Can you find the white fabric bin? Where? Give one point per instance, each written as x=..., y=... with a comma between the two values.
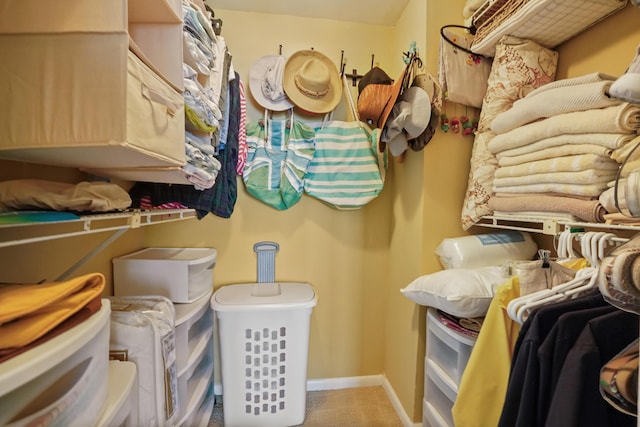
x=264, y=338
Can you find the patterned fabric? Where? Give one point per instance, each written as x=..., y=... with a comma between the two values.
x=242, y=132
x=277, y=160
x=519, y=67
x=345, y=171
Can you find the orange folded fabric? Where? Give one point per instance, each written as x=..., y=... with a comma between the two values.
x=29, y=311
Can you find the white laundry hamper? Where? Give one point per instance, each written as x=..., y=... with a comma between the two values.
x=264, y=339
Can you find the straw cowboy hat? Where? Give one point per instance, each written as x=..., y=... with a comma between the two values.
x=265, y=83
x=311, y=81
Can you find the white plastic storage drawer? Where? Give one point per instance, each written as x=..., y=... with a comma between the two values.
x=62, y=382
x=194, y=328
x=449, y=349
x=181, y=274
x=441, y=398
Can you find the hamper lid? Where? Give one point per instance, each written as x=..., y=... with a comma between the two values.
x=263, y=296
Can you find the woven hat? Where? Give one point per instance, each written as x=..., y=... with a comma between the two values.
x=376, y=101
x=311, y=81
x=429, y=84
x=408, y=119
x=265, y=83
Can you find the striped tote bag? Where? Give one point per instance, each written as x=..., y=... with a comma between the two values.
x=347, y=169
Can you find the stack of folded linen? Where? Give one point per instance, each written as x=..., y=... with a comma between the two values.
x=560, y=147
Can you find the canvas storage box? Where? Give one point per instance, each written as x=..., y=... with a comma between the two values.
x=264, y=338
x=63, y=381
x=180, y=274
x=74, y=93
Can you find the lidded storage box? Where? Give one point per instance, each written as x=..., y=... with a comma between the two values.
x=78, y=94
x=264, y=337
x=180, y=274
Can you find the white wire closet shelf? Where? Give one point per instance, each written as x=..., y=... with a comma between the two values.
x=32, y=232
x=549, y=226
x=546, y=22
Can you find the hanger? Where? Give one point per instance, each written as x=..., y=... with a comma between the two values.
x=592, y=246
x=472, y=31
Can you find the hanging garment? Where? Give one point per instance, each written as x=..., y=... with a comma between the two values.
x=278, y=156
x=576, y=401
x=520, y=405
x=484, y=381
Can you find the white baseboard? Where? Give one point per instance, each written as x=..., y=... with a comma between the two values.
x=344, y=382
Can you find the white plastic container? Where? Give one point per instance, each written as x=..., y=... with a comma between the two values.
x=264, y=338
x=181, y=274
x=63, y=381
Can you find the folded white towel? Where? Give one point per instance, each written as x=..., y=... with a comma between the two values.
x=575, y=163
x=608, y=141
x=589, y=176
x=590, y=190
x=553, y=152
x=563, y=99
x=623, y=118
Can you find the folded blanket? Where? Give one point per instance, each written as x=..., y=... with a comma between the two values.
x=29, y=311
x=623, y=118
x=621, y=153
x=548, y=103
x=553, y=152
x=580, y=162
x=60, y=196
x=591, y=190
x=611, y=141
x=574, y=81
x=589, y=176
x=608, y=201
x=585, y=210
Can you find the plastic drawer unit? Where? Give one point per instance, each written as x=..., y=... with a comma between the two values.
x=447, y=354
x=181, y=274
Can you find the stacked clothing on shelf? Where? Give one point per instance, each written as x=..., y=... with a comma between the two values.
x=559, y=149
x=215, y=113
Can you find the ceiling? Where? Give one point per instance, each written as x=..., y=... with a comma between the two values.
x=381, y=12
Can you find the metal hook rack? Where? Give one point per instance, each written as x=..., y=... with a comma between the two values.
x=354, y=76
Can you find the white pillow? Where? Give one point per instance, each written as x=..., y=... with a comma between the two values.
x=461, y=292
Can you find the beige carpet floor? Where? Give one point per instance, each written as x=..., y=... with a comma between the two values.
x=351, y=407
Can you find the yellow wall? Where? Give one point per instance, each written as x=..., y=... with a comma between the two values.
x=341, y=253
x=356, y=260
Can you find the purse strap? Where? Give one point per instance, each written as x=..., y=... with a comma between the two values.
x=351, y=105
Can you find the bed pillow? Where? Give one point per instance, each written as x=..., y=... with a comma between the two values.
x=519, y=67
x=462, y=292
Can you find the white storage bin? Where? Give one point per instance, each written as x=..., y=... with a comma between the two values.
x=264, y=337
x=201, y=417
x=194, y=383
x=441, y=398
x=194, y=328
x=79, y=97
x=122, y=398
x=63, y=381
x=180, y=274
x=431, y=417
x=448, y=349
